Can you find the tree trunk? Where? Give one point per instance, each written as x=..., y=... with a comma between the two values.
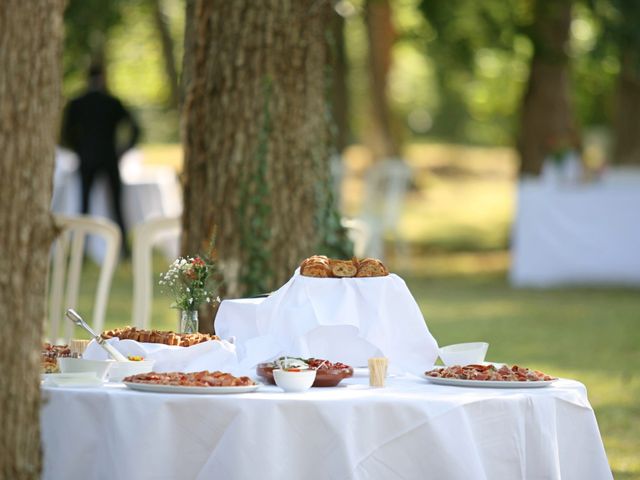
x=160, y=20
x=339, y=91
x=546, y=116
x=381, y=36
x=255, y=136
x=30, y=102
x=626, y=126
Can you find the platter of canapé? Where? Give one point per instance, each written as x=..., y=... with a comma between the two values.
x=292, y=373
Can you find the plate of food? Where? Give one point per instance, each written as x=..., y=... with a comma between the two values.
x=489, y=376
x=49, y=357
x=204, y=382
x=328, y=374
x=159, y=336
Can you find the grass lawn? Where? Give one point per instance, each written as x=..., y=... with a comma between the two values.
x=456, y=221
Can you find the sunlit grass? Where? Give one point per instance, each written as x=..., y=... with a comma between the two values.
x=170, y=155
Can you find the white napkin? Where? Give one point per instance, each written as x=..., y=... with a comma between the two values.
x=211, y=355
x=344, y=319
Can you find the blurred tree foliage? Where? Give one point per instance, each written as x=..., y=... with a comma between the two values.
x=620, y=20
x=88, y=24
x=124, y=33
x=458, y=72
x=482, y=52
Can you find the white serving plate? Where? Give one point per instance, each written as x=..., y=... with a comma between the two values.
x=456, y=382
x=495, y=364
x=150, y=387
x=75, y=379
x=364, y=371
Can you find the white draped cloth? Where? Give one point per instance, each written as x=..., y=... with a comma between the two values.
x=340, y=319
x=211, y=355
x=411, y=429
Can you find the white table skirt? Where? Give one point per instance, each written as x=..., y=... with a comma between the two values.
x=577, y=234
x=411, y=429
x=341, y=319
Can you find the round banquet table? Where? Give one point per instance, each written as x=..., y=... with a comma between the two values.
x=411, y=429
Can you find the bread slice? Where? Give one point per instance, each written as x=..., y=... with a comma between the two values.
x=343, y=268
x=316, y=266
x=371, y=267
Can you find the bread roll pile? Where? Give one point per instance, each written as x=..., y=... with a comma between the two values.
x=157, y=336
x=324, y=267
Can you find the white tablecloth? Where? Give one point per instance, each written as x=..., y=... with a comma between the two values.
x=411, y=429
x=577, y=234
x=340, y=319
x=147, y=192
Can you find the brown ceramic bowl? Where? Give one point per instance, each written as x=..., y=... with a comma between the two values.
x=324, y=377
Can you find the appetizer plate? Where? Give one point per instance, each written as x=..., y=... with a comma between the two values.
x=456, y=382
x=151, y=387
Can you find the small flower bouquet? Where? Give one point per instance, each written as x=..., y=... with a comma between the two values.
x=190, y=282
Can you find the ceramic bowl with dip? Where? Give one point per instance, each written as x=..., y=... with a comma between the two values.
x=294, y=379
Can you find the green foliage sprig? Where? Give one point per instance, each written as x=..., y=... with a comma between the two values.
x=190, y=282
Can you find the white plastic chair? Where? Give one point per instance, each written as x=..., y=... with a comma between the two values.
x=66, y=269
x=358, y=233
x=145, y=236
x=386, y=186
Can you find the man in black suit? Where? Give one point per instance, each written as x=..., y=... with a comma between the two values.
x=90, y=128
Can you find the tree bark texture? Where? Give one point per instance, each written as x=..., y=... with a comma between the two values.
x=546, y=116
x=255, y=135
x=381, y=36
x=30, y=102
x=626, y=125
x=339, y=91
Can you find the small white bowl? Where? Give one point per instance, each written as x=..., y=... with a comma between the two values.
x=464, y=353
x=291, y=381
x=120, y=370
x=78, y=365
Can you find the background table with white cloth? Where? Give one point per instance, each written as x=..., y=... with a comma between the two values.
x=577, y=234
x=410, y=429
x=148, y=191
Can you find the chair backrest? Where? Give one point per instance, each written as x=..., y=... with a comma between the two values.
x=358, y=232
x=145, y=235
x=386, y=186
x=66, y=269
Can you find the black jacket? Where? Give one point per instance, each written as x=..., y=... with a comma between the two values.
x=90, y=128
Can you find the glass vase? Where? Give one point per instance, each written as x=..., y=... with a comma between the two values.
x=188, y=321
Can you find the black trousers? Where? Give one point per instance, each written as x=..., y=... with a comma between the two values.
x=88, y=176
